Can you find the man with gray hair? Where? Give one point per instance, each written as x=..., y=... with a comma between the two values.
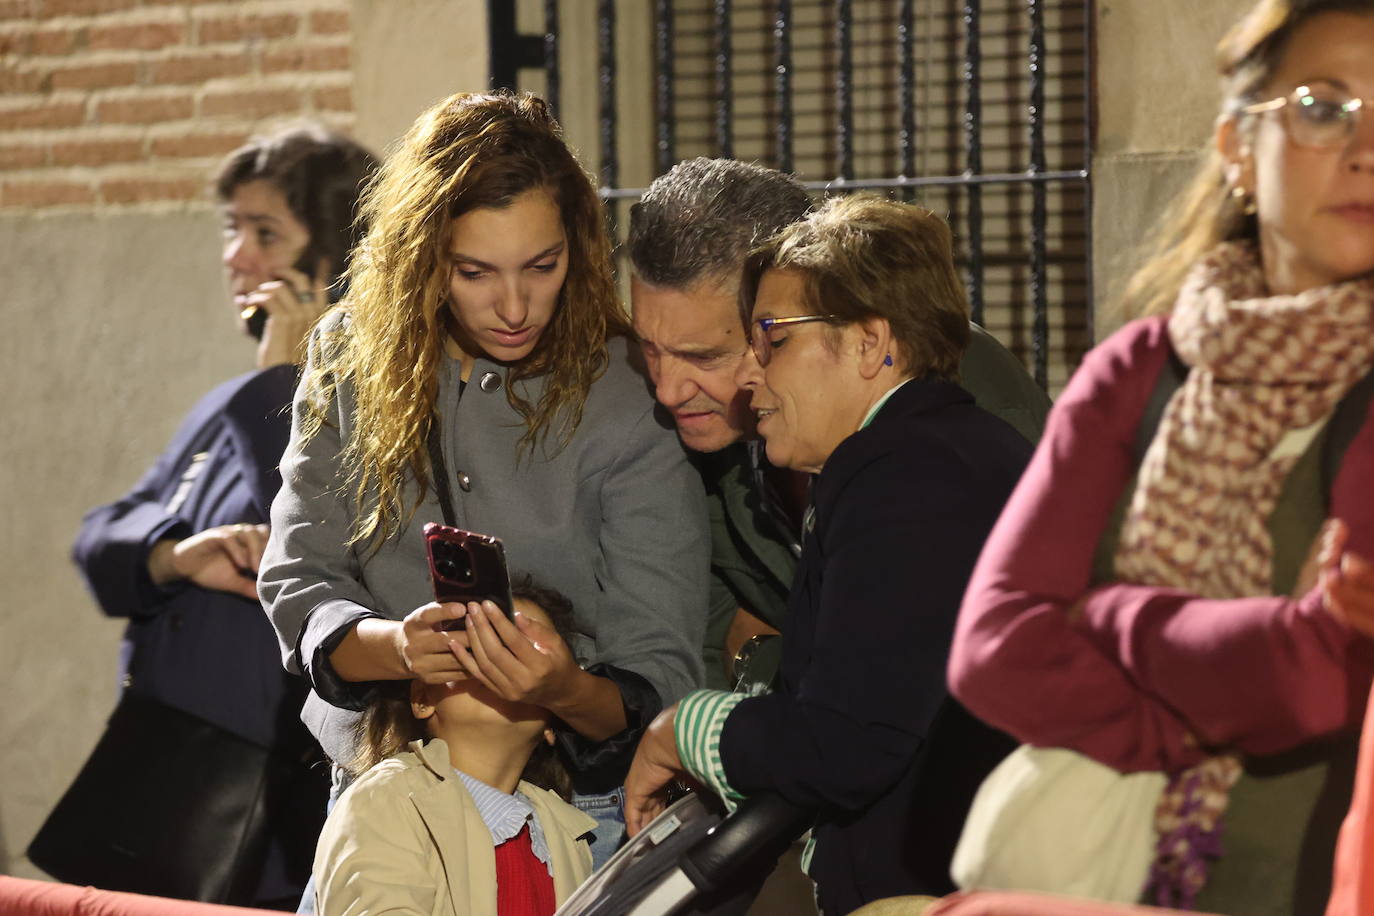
x=689, y=235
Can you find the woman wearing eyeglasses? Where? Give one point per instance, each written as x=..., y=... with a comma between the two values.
x=1180, y=581
x=858, y=324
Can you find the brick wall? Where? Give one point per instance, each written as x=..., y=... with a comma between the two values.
x=129, y=103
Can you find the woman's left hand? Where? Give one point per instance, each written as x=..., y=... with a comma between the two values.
x=656, y=764
x=522, y=662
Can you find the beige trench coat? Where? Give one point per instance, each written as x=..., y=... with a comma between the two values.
x=406, y=838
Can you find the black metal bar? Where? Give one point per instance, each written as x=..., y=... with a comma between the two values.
x=844, y=88
x=1040, y=328
x=663, y=85
x=508, y=50
x=725, y=142
x=782, y=49
x=1089, y=132
x=502, y=41
x=973, y=149
x=941, y=181
x=605, y=43
x=552, y=82
x=906, y=83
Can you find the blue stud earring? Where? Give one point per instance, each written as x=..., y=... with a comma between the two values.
x=887, y=361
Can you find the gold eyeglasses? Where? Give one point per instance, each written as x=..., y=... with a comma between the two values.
x=762, y=346
x=1317, y=116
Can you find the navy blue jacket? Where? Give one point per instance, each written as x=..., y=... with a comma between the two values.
x=863, y=728
x=208, y=652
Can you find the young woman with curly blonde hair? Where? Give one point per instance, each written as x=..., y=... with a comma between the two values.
x=481, y=356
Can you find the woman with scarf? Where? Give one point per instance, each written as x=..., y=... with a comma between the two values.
x=1180, y=581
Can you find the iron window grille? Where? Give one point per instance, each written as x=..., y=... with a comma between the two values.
x=981, y=110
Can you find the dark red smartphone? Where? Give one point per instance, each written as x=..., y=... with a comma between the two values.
x=466, y=566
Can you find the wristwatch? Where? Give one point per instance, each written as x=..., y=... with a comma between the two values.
x=739, y=665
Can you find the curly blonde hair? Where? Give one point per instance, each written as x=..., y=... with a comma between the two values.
x=1205, y=214
x=470, y=151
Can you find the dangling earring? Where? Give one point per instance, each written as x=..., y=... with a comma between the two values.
x=1244, y=201
x=887, y=360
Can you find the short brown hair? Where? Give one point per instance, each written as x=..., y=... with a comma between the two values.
x=865, y=257
x=320, y=173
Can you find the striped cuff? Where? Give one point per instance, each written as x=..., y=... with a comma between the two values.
x=700, y=717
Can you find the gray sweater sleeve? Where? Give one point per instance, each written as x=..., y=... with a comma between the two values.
x=309, y=581
x=656, y=548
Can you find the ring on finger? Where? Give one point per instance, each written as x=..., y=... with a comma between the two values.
x=305, y=296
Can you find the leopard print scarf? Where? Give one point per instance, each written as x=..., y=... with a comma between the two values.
x=1260, y=366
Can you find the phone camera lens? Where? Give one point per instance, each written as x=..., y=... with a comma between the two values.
x=452, y=563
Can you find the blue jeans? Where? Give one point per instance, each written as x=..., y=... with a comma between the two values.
x=609, y=812
x=338, y=781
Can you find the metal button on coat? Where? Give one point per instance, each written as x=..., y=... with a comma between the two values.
x=464, y=482
x=490, y=382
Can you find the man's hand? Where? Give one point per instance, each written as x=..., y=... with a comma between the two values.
x=656, y=764
x=224, y=559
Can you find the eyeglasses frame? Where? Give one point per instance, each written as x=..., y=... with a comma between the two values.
x=1352, y=106
x=767, y=324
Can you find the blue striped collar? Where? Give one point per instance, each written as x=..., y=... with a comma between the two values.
x=504, y=814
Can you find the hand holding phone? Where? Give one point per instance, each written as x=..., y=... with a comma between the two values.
x=465, y=566
x=280, y=313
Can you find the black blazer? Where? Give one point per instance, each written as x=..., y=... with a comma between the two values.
x=863, y=728
x=209, y=653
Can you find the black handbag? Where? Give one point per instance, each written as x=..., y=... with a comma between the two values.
x=174, y=806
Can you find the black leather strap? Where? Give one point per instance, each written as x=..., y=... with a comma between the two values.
x=439, y=473
x=1171, y=377
x=1341, y=431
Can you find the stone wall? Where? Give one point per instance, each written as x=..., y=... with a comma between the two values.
x=1157, y=102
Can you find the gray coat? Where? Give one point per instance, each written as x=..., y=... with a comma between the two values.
x=616, y=521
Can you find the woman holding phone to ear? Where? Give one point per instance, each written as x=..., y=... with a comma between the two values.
x=178, y=553
x=482, y=351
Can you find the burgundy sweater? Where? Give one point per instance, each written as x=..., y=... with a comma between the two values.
x=1144, y=667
